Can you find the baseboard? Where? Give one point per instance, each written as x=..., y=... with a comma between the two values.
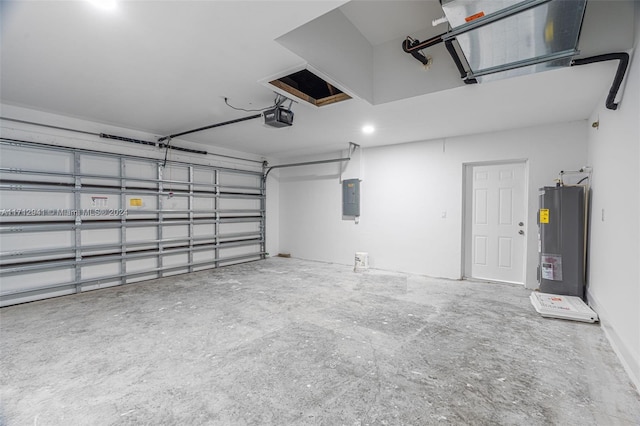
x=629, y=360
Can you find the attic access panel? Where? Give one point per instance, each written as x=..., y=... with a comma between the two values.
x=311, y=88
x=506, y=38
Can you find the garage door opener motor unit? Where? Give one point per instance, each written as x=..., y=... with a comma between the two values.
x=278, y=117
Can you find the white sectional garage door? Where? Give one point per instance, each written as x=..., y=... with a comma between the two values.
x=76, y=220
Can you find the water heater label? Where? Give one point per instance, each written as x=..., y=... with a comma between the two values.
x=544, y=215
x=551, y=267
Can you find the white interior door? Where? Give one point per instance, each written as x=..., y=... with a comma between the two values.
x=495, y=217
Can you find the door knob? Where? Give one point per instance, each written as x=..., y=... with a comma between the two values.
x=521, y=232
x=520, y=224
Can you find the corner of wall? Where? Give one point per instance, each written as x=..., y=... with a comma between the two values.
x=625, y=354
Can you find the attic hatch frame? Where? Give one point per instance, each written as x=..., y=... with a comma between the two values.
x=312, y=87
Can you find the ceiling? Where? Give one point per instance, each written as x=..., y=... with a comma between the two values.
x=372, y=18
x=166, y=66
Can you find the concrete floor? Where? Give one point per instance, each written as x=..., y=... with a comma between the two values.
x=285, y=341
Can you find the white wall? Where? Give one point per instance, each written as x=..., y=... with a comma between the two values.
x=614, y=262
x=405, y=190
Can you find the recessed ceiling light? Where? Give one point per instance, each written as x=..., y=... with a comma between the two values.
x=368, y=129
x=105, y=4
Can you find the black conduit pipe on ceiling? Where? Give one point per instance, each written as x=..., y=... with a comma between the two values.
x=414, y=47
x=623, y=57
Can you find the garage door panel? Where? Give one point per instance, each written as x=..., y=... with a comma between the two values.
x=137, y=237
x=141, y=206
x=176, y=178
x=239, y=251
x=174, y=232
x=175, y=206
x=176, y=272
x=33, y=280
x=33, y=295
x=54, y=167
x=44, y=160
x=101, y=206
x=108, y=219
x=242, y=259
x=142, y=265
x=175, y=260
x=22, y=177
x=205, y=204
x=204, y=230
x=37, y=206
x=231, y=203
x=207, y=215
x=100, y=241
x=24, y=241
x=139, y=278
x=100, y=236
x=204, y=256
x=241, y=227
x=239, y=179
x=101, y=284
x=204, y=177
x=100, y=271
x=100, y=165
x=141, y=174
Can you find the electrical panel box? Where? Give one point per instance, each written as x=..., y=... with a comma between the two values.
x=561, y=244
x=351, y=197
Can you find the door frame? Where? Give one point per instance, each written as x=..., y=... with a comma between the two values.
x=467, y=205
